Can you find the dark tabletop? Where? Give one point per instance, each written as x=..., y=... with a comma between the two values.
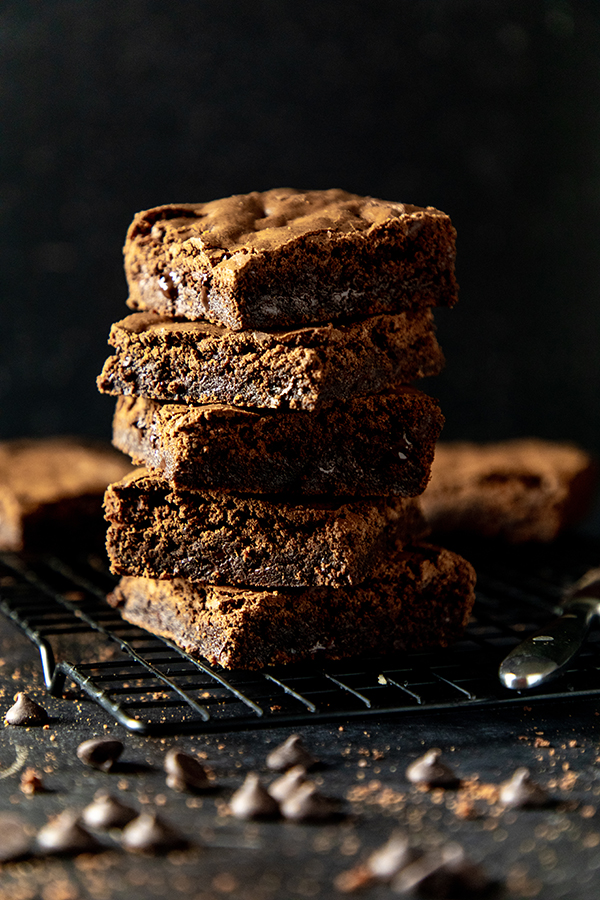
x=548, y=853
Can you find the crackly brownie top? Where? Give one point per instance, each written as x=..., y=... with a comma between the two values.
x=261, y=221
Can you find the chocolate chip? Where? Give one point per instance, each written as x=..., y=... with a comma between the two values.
x=521, y=791
x=252, y=801
x=184, y=772
x=148, y=833
x=291, y=753
x=26, y=712
x=289, y=782
x=100, y=753
x=443, y=874
x=306, y=804
x=430, y=770
x=107, y=812
x=14, y=840
x=388, y=860
x=469, y=880
x=417, y=876
x=65, y=834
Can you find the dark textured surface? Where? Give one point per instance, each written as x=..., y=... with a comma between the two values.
x=488, y=111
x=549, y=853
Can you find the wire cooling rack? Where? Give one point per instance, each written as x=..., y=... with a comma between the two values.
x=151, y=686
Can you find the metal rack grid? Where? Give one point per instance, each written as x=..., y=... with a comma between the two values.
x=151, y=686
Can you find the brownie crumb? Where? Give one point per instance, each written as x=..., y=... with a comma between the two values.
x=354, y=879
x=31, y=782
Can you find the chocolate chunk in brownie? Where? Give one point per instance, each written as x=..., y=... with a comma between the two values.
x=518, y=490
x=371, y=446
x=161, y=531
x=419, y=598
x=51, y=491
x=193, y=362
x=284, y=258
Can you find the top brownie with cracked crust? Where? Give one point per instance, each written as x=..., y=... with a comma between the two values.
x=283, y=258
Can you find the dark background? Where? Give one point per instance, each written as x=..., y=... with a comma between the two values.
x=487, y=110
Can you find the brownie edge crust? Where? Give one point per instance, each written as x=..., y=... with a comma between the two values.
x=421, y=598
x=285, y=257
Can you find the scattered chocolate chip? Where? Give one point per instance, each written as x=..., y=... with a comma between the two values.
x=252, y=801
x=291, y=753
x=443, y=874
x=14, y=840
x=469, y=880
x=100, y=753
x=521, y=791
x=26, y=712
x=430, y=770
x=418, y=875
x=107, y=812
x=289, y=782
x=306, y=804
x=31, y=782
x=148, y=833
x=65, y=834
x=388, y=860
x=184, y=772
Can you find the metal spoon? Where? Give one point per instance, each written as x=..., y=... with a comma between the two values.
x=545, y=654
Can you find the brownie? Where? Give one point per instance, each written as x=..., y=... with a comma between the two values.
x=284, y=258
x=518, y=490
x=161, y=531
x=418, y=599
x=370, y=446
x=193, y=362
x=51, y=491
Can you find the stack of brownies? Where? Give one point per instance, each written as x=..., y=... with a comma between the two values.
x=263, y=386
